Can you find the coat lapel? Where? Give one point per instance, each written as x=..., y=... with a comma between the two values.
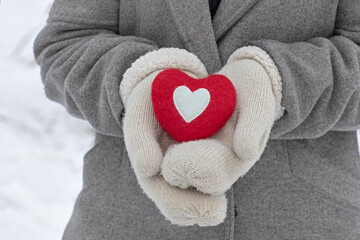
x=199, y=33
x=228, y=13
x=193, y=22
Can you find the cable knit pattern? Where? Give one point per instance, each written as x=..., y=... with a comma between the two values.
x=157, y=60
x=259, y=55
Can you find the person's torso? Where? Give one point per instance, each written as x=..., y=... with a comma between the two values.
x=188, y=24
x=323, y=172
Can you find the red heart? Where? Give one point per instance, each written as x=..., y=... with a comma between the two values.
x=175, y=110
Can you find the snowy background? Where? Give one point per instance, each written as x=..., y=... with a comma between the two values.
x=41, y=146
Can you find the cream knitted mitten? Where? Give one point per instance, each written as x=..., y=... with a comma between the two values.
x=146, y=142
x=213, y=165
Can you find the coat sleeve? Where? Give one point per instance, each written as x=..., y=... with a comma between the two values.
x=320, y=79
x=83, y=56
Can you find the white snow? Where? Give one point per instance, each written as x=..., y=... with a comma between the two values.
x=41, y=146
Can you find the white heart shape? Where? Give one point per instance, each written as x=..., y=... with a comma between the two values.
x=189, y=104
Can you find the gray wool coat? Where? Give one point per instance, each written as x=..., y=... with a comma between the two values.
x=307, y=183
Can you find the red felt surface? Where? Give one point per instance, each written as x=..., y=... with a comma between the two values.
x=221, y=107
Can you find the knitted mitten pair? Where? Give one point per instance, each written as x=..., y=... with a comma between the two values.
x=187, y=181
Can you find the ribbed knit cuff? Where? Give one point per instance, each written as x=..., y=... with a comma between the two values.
x=163, y=58
x=262, y=57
